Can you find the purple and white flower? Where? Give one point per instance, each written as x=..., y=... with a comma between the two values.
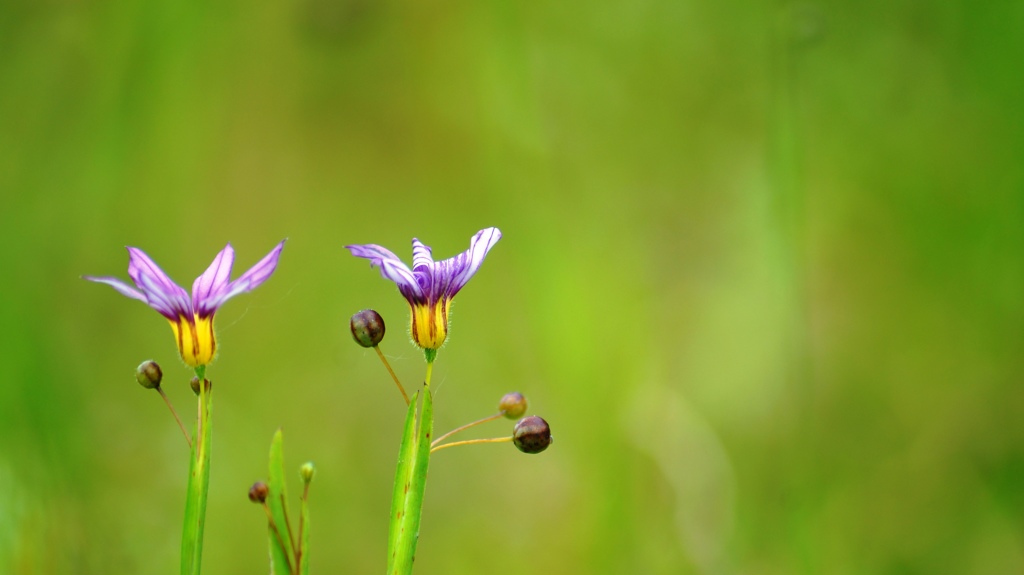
x=191, y=318
x=430, y=286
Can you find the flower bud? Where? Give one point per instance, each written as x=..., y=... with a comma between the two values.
x=195, y=385
x=258, y=492
x=307, y=471
x=148, y=374
x=513, y=404
x=367, y=328
x=532, y=435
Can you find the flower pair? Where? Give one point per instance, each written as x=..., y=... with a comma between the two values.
x=429, y=288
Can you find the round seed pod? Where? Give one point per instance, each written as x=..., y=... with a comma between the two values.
x=532, y=435
x=513, y=404
x=367, y=328
x=148, y=374
x=258, y=492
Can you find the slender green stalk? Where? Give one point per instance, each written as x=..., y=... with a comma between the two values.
x=198, y=485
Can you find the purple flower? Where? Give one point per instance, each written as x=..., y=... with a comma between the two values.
x=191, y=319
x=430, y=286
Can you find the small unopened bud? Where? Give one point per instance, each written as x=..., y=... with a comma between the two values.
x=513, y=404
x=307, y=471
x=258, y=492
x=195, y=385
x=532, y=435
x=148, y=374
x=367, y=328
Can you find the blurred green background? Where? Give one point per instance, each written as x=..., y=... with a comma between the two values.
x=761, y=270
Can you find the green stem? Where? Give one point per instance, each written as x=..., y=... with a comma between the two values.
x=198, y=486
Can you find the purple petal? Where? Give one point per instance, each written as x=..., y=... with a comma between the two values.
x=421, y=256
x=119, y=285
x=248, y=281
x=214, y=280
x=463, y=266
x=390, y=266
x=162, y=294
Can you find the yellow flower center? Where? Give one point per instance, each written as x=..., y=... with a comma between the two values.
x=430, y=324
x=195, y=338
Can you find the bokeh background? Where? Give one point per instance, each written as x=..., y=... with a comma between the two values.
x=761, y=270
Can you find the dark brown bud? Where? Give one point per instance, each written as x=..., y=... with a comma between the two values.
x=513, y=404
x=258, y=492
x=367, y=328
x=532, y=435
x=148, y=374
x=195, y=385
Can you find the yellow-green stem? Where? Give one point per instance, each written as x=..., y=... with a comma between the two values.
x=188, y=439
x=498, y=415
x=392, y=372
x=472, y=442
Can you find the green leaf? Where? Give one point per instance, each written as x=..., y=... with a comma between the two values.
x=198, y=487
x=280, y=538
x=403, y=474
x=407, y=504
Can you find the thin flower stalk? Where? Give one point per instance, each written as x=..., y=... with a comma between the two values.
x=471, y=442
x=437, y=441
